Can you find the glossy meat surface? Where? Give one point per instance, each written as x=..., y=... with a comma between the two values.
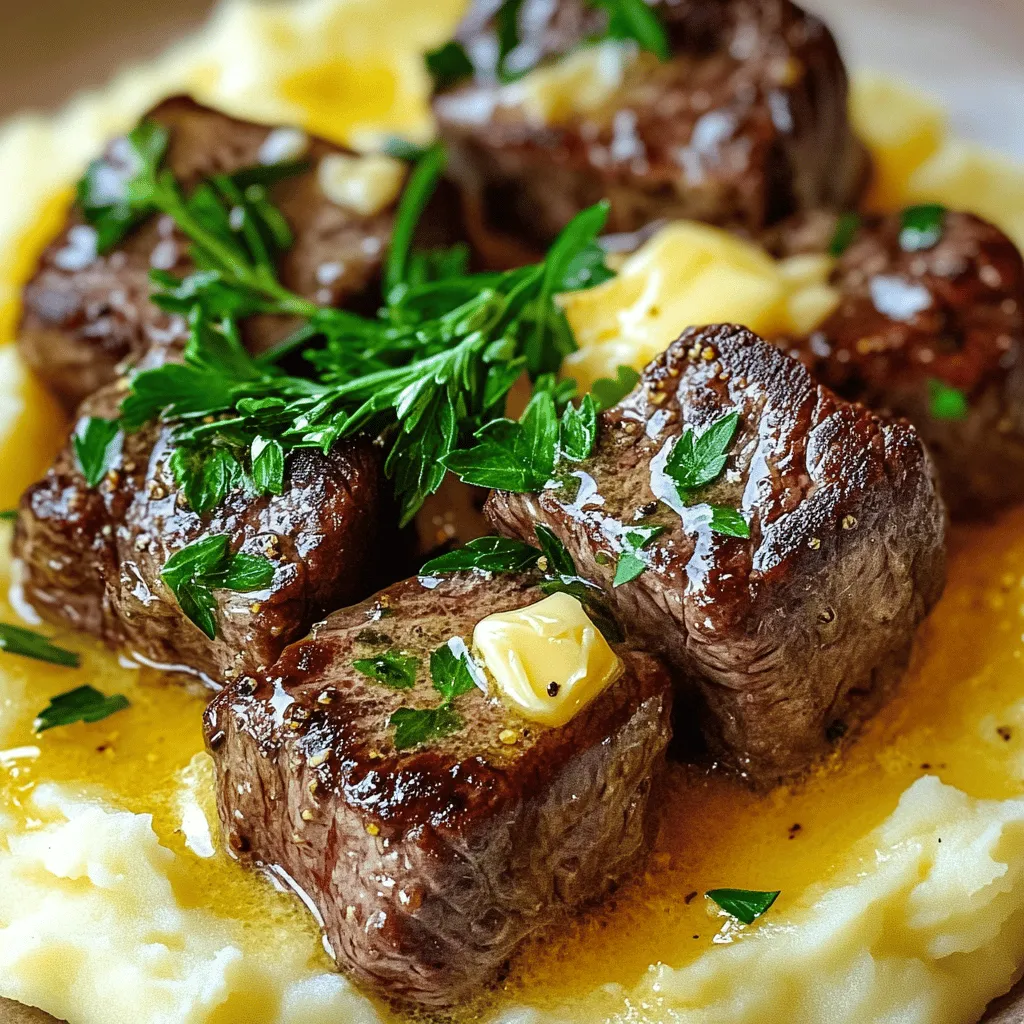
x=429, y=865
x=90, y=558
x=914, y=323
x=789, y=638
x=87, y=316
x=744, y=125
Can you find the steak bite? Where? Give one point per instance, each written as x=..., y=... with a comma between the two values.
x=931, y=327
x=788, y=637
x=743, y=125
x=86, y=315
x=429, y=864
x=91, y=558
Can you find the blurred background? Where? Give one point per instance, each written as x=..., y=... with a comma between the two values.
x=970, y=52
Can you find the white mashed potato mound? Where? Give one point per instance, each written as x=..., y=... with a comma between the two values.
x=92, y=931
x=925, y=927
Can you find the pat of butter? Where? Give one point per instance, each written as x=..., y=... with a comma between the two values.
x=548, y=660
x=364, y=184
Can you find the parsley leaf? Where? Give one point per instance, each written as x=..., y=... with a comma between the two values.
x=453, y=673
x=608, y=392
x=448, y=64
x=578, y=430
x=630, y=564
x=506, y=21
x=745, y=905
x=485, y=554
x=16, y=640
x=846, y=230
x=634, y=19
x=83, y=704
x=207, y=564
x=113, y=193
x=946, y=402
x=393, y=669
x=695, y=462
x=921, y=227
x=522, y=456
x=97, y=444
x=559, y=561
x=8, y=515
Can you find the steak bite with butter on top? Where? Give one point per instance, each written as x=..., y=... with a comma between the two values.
x=437, y=806
x=743, y=122
x=92, y=558
x=87, y=311
x=930, y=326
x=778, y=545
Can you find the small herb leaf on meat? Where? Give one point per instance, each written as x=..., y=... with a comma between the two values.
x=267, y=465
x=921, y=227
x=946, y=402
x=608, y=392
x=194, y=572
x=393, y=668
x=448, y=65
x=453, y=670
x=113, y=193
x=630, y=565
x=415, y=726
x=485, y=554
x=577, y=433
x=559, y=561
x=8, y=515
x=29, y=644
x=453, y=673
x=695, y=462
x=729, y=522
x=846, y=230
x=84, y=704
x=745, y=905
x=634, y=19
x=97, y=444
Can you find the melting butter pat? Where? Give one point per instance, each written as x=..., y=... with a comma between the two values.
x=548, y=660
x=365, y=184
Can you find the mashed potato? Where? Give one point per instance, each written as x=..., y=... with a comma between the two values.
x=116, y=903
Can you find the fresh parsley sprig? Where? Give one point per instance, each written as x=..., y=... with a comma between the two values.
x=630, y=564
x=205, y=565
x=430, y=372
x=17, y=640
x=84, y=704
x=452, y=673
x=696, y=461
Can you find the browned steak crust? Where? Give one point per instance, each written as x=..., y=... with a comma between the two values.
x=86, y=317
x=745, y=124
x=791, y=636
x=430, y=865
x=90, y=558
x=913, y=321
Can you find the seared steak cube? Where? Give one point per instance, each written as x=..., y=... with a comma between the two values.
x=931, y=327
x=87, y=314
x=743, y=125
x=792, y=635
x=429, y=864
x=91, y=558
